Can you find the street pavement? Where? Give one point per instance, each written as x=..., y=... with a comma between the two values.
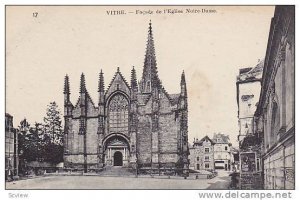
x=222, y=181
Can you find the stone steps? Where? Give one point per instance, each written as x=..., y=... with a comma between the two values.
x=116, y=171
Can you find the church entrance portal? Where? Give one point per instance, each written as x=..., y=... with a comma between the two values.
x=116, y=151
x=118, y=159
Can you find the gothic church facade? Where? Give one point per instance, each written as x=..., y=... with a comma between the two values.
x=137, y=125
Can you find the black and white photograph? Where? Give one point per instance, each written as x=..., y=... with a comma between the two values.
x=157, y=97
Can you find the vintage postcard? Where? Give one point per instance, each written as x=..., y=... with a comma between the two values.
x=150, y=97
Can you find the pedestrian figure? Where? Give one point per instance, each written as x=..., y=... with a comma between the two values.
x=11, y=174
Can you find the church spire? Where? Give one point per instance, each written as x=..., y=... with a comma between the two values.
x=82, y=84
x=150, y=78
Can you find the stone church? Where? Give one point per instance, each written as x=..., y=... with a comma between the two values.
x=137, y=125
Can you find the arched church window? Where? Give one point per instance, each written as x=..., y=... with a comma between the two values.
x=118, y=114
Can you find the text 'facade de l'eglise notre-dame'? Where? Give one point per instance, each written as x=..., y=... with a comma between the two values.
x=137, y=125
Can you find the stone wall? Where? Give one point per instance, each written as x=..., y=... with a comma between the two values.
x=168, y=134
x=279, y=168
x=92, y=142
x=144, y=139
x=74, y=142
x=277, y=102
x=164, y=142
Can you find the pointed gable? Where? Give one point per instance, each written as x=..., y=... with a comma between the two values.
x=84, y=99
x=118, y=83
x=92, y=110
x=206, y=138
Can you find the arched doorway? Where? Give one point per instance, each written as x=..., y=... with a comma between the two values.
x=118, y=159
x=116, y=150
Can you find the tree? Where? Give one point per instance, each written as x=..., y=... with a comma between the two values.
x=30, y=141
x=43, y=141
x=53, y=135
x=53, y=124
x=30, y=147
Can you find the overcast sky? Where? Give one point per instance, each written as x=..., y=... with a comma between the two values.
x=209, y=47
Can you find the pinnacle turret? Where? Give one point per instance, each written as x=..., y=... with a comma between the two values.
x=67, y=102
x=182, y=78
x=183, y=85
x=101, y=82
x=67, y=85
x=82, y=84
x=133, y=78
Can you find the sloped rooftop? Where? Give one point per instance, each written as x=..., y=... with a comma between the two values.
x=251, y=73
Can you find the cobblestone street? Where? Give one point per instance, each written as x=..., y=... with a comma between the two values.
x=96, y=182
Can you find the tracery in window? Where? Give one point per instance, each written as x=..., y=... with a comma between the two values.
x=118, y=114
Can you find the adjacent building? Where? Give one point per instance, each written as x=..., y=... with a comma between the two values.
x=275, y=114
x=222, y=152
x=248, y=91
x=11, y=148
x=248, y=87
x=137, y=125
x=202, y=154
